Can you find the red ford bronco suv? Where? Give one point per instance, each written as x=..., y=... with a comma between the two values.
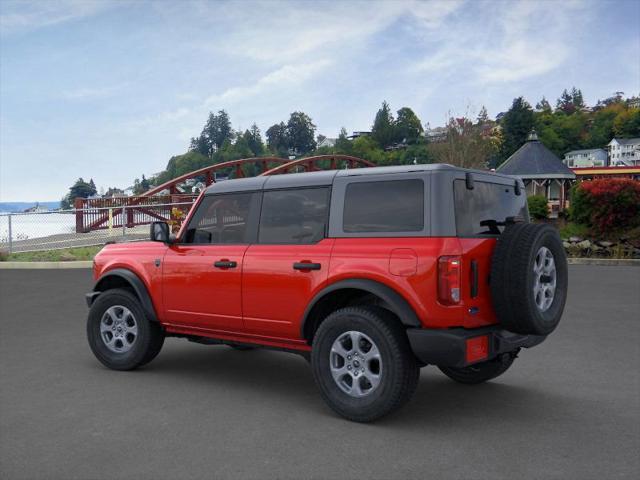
x=370, y=273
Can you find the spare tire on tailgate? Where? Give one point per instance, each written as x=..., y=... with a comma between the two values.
x=529, y=278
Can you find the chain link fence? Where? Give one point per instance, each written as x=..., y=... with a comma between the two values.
x=59, y=229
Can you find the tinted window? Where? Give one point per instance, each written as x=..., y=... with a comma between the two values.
x=222, y=219
x=389, y=206
x=486, y=202
x=294, y=216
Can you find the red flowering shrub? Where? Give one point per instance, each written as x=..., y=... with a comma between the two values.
x=607, y=204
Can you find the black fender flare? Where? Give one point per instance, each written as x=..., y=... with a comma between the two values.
x=397, y=303
x=136, y=284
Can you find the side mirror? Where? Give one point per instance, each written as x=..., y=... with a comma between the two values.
x=159, y=232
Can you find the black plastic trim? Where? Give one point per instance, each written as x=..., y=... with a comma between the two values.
x=396, y=302
x=134, y=281
x=447, y=347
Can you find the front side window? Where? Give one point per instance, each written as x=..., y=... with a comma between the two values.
x=384, y=206
x=222, y=219
x=294, y=216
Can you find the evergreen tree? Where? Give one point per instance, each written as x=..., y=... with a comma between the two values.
x=407, y=126
x=343, y=144
x=517, y=123
x=565, y=103
x=483, y=116
x=576, y=99
x=543, y=106
x=254, y=140
x=382, y=130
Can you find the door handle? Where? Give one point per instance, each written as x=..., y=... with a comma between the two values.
x=306, y=266
x=225, y=264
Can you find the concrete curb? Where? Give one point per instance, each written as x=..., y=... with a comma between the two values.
x=612, y=262
x=45, y=265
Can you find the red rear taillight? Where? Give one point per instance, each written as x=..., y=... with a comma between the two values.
x=449, y=280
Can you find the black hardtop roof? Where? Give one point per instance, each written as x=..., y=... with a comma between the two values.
x=326, y=177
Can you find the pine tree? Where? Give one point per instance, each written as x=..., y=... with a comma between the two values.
x=543, y=106
x=382, y=130
x=483, y=116
x=517, y=123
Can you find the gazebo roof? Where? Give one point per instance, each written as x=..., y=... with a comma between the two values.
x=534, y=160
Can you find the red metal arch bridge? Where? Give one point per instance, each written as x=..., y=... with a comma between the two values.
x=165, y=201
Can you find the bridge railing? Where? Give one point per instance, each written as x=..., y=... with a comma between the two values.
x=102, y=213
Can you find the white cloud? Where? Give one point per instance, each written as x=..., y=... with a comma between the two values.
x=25, y=15
x=285, y=77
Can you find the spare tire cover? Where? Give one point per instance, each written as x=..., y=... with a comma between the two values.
x=529, y=278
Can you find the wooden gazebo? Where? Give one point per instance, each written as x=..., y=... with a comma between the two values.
x=542, y=172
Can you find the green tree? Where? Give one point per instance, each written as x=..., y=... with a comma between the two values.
x=408, y=126
x=383, y=130
x=253, y=138
x=517, y=123
x=627, y=124
x=216, y=131
x=544, y=106
x=577, y=99
x=80, y=189
x=483, y=116
x=277, y=139
x=343, y=144
x=565, y=103
x=301, y=133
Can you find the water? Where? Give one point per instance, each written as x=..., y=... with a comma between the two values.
x=36, y=225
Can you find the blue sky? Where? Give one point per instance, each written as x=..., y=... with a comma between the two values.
x=111, y=90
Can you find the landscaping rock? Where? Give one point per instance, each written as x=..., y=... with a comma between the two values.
x=575, y=239
x=566, y=244
x=585, y=244
x=605, y=244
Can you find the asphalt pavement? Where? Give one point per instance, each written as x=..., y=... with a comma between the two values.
x=567, y=409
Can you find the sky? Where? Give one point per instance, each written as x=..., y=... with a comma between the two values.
x=110, y=90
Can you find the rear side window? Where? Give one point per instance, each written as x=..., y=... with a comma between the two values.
x=223, y=219
x=384, y=206
x=487, y=202
x=295, y=216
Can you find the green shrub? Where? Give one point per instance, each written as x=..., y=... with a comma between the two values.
x=538, y=207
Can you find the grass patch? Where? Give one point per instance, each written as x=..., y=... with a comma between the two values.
x=64, y=255
x=574, y=230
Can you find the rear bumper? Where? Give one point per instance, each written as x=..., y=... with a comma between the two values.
x=452, y=347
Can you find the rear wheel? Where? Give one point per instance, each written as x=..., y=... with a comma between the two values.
x=119, y=333
x=480, y=372
x=363, y=364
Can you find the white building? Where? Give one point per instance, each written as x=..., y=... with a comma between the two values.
x=624, y=152
x=594, y=157
x=327, y=142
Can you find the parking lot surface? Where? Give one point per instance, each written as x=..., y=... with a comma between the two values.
x=568, y=409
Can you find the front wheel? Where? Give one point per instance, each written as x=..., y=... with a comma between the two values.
x=479, y=372
x=119, y=333
x=363, y=364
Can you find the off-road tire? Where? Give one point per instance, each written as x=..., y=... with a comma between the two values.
x=513, y=279
x=399, y=375
x=148, y=342
x=480, y=372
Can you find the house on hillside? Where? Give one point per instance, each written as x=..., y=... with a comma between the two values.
x=358, y=134
x=327, y=142
x=593, y=157
x=624, y=152
x=542, y=172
